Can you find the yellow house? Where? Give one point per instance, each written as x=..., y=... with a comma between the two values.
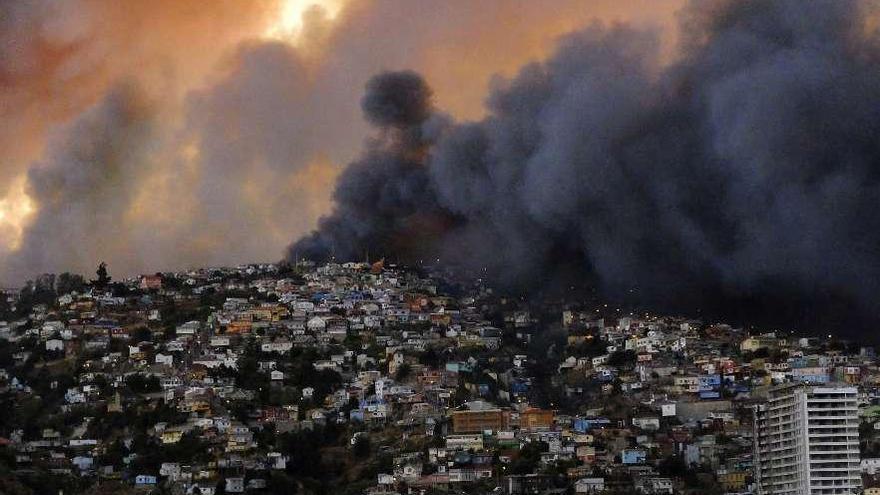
x=732, y=480
x=443, y=319
x=197, y=405
x=872, y=491
x=171, y=436
x=575, y=339
x=536, y=419
x=262, y=314
x=752, y=344
x=239, y=327
x=237, y=445
x=115, y=404
x=204, y=474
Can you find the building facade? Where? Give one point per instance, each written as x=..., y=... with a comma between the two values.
x=807, y=441
x=478, y=421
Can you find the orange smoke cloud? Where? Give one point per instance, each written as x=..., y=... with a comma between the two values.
x=255, y=106
x=58, y=58
x=498, y=41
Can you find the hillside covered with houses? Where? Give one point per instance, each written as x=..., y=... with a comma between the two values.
x=374, y=379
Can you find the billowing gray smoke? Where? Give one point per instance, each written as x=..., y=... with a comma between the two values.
x=385, y=200
x=83, y=184
x=745, y=175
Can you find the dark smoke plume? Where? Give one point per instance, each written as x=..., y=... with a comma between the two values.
x=397, y=99
x=741, y=180
x=385, y=200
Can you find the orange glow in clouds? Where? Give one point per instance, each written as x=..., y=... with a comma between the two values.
x=16, y=210
x=176, y=50
x=289, y=24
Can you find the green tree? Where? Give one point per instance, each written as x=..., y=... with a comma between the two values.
x=38, y=291
x=281, y=484
x=528, y=457
x=141, y=334
x=140, y=384
x=361, y=449
x=403, y=372
x=69, y=282
x=103, y=279
x=622, y=359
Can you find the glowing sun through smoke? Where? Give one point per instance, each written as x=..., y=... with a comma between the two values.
x=16, y=210
x=289, y=23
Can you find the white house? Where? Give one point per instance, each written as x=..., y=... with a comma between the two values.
x=277, y=460
x=170, y=469
x=316, y=324
x=589, y=485
x=188, y=328
x=75, y=396
x=54, y=345
x=83, y=463
x=871, y=466
x=234, y=485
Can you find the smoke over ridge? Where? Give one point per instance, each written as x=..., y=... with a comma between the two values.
x=743, y=175
x=245, y=112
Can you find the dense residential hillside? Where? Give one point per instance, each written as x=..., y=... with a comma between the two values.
x=366, y=379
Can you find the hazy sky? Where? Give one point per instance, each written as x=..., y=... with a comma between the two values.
x=164, y=134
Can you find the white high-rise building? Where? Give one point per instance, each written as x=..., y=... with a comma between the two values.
x=807, y=441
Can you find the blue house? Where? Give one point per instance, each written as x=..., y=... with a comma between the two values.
x=633, y=456
x=798, y=362
x=709, y=382
x=605, y=376
x=811, y=377
x=458, y=366
x=583, y=425
x=519, y=386
x=709, y=394
x=144, y=480
x=356, y=295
